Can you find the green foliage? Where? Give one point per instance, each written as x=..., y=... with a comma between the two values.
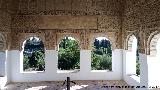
x=26, y=62
x=137, y=63
x=101, y=62
x=138, y=68
x=33, y=55
x=106, y=62
x=101, y=55
x=34, y=62
x=68, y=55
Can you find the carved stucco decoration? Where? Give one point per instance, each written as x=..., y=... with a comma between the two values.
x=18, y=36
x=50, y=39
x=129, y=36
x=152, y=42
x=84, y=38
x=5, y=26
x=69, y=7
x=137, y=14
x=129, y=41
x=3, y=41
x=143, y=17
x=109, y=22
x=5, y=21
x=54, y=22
x=83, y=26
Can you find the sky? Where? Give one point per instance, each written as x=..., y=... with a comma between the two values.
x=99, y=38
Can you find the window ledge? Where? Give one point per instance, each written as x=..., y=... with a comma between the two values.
x=101, y=71
x=25, y=72
x=68, y=71
x=135, y=77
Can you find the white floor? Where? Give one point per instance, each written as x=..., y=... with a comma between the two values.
x=80, y=85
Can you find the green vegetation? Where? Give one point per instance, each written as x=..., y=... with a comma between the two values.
x=68, y=55
x=33, y=55
x=137, y=64
x=101, y=55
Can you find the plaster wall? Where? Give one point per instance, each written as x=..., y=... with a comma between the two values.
x=153, y=64
x=2, y=64
x=52, y=74
x=129, y=72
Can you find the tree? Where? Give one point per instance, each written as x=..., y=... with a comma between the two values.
x=137, y=63
x=68, y=55
x=101, y=55
x=34, y=55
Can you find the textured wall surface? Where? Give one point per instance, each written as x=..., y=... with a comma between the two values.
x=141, y=17
x=52, y=19
x=5, y=23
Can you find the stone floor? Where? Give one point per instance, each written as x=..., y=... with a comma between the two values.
x=80, y=85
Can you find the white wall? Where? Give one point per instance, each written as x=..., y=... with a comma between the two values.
x=6, y=69
x=153, y=67
x=2, y=63
x=128, y=76
x=51, y=74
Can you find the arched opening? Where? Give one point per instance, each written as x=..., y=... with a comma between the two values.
x=2, y=56
x=33, y=55
x=154, y=60
x=68, y=54
x=101, y=56
x=134, y=64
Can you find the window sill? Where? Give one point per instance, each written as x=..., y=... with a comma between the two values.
x=135, y=77
x=101, y=71
x=68, y=71
x=26, y=72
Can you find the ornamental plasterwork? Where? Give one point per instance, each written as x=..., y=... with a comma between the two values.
x=103, y=17
x=3, y=41
x=69, y=7
x=51, y=38
x=152, y=40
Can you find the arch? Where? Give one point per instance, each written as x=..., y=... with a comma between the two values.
x=152, y=43
x=130, y=42
x=133, y=64
x=102, y=35
x=101, y=56
x=68, y=54
x=33, y=52
x=27, y=36
x=62, y=36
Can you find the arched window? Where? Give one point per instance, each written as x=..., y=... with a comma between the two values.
x=101, y=54
x=134, y=64
x=33, y=54
x=158, y=49
x=154, y=60
x=68, y=54
x=154, y=45
x=2, y=56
